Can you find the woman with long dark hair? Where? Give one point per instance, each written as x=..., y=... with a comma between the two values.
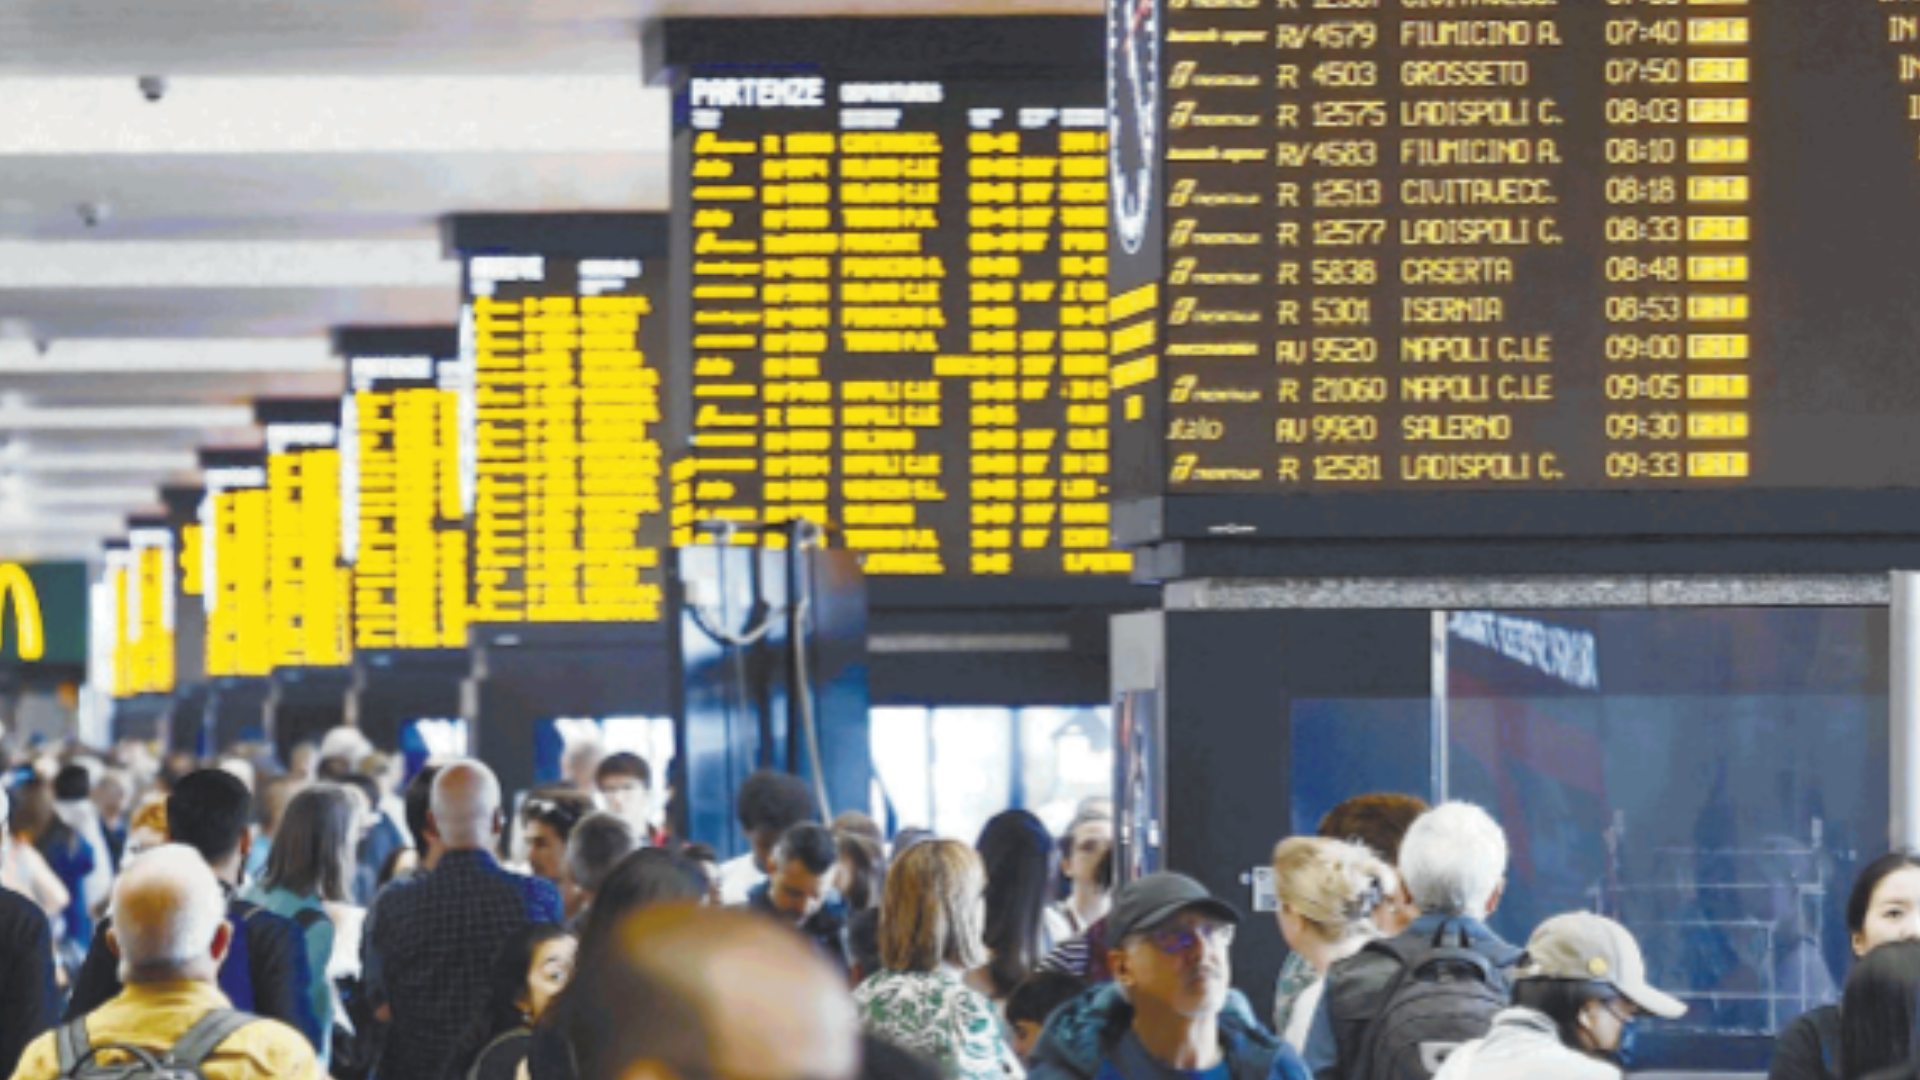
x=1019, y=855
x=644, y=878
x=309, y=878
x=1883, y=907
x=530, y=970
x=1877, y=1010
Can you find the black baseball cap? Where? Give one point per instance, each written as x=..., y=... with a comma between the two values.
x=1152, y=900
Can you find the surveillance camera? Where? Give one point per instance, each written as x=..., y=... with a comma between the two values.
x=153, y=87
x=92, y=214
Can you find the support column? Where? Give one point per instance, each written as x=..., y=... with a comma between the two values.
x=1903, y=705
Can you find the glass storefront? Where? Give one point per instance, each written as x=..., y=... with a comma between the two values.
x=951, y=768
x=1712, y=778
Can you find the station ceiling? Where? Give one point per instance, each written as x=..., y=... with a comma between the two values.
x=164, y=263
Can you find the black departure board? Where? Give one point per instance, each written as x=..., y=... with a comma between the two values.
x=564, y=338
x=1646, y=246
x=897, y=272
x=405, y=534
x=234, y=573
x=309, y=595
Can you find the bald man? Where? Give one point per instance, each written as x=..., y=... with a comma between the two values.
x=436, y=939
x=704, y=993
x=170, y=932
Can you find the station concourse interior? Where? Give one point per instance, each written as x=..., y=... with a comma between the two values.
x=1218, y=409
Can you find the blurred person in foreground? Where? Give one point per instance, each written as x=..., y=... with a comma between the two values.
x=705, y=993
x=171, y=933
x=1170, y=1009
x=646, y=878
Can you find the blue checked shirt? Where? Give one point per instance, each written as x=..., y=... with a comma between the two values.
x=436, y=940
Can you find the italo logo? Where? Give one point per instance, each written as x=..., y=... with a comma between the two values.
x=15, y=583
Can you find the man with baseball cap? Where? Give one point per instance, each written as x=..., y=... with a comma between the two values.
x=1575, y=999
x=1169, y=1014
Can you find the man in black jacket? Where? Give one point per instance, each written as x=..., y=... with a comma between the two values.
x=266, y=972
x=1453, y=862
x=28, y=1000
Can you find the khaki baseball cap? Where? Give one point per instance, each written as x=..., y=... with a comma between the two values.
x=1593, y=948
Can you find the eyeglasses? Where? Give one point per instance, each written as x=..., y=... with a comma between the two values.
x=1174, y=940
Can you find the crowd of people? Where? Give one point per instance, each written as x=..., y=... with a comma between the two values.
x=340, y=918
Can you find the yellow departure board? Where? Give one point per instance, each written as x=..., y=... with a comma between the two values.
x=898, y=317
x=115, y=578
x=235, y=575
x=1545, y=246
x=308, y=591
x=565, y=471
x=144, y=588
x=404, y=533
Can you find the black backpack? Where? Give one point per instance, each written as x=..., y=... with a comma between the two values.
x=182, y=1062
x=1442, y=996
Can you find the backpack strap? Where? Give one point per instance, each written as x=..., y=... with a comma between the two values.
x=205, y=1036
x=307, y=918
x=70, y=1042
x=473, y=1071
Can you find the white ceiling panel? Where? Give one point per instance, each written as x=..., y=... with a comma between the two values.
x=164, y=264
x=360, y=37
x=308, y=196
x=57, y=314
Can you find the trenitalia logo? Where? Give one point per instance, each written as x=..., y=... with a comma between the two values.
x=15, y=583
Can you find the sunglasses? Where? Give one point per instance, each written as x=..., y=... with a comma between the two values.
x=1175, y=940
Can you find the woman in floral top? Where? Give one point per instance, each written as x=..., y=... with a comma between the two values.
x=931, y=914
